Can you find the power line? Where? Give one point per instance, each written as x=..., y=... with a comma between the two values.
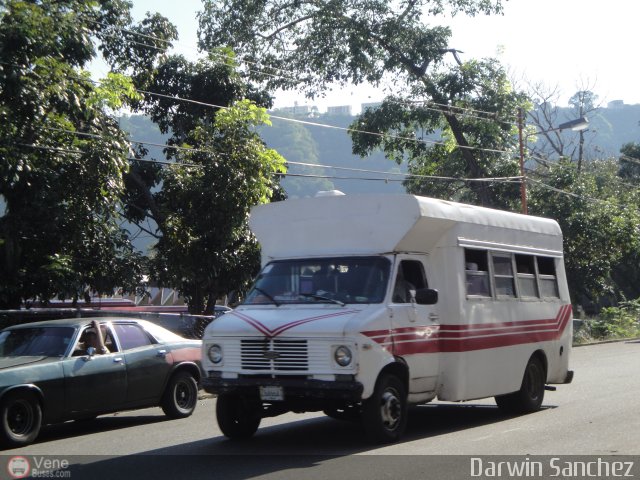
x=323, y=125
x=576, y=195
x=462, y=110
x=314, y=165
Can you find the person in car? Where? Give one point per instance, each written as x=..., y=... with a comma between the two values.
x=92, y=337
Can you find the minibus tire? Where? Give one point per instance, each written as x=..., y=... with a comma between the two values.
x=384, y=414
x=529, y=398
x=238, y=417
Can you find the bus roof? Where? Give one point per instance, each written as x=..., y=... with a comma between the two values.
x=377, y=223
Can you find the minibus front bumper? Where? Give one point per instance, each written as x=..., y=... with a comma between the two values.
x=344, y=389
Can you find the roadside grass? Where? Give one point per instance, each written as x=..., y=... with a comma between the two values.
x=613, y=323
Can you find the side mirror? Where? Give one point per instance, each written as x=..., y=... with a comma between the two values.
x=91, y=351
x=426, y=296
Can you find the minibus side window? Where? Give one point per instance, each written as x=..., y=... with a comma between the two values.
x=526, y=271
x=547, y=277
x=410, y=277
x=503, y=275
x=477, y=272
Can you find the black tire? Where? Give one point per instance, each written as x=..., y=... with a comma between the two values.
x=181, y=395
x=350, y=413
x=531, y=394
x=238, y=417
x=21, y=419
x=384, y=414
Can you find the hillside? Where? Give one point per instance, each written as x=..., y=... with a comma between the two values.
x=610, y=128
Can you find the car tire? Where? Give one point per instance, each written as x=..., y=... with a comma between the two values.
x=531, y=394
x=384, y=414
x=20, y=419
x=238, y=417
x=181, y=395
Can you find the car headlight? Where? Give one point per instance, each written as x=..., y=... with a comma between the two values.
x=215, y=353
x=343, y=355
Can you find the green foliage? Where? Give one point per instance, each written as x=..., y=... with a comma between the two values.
x=335, y=41
x=630, y=162
x=599, y=220
x=206, y=249
x=377, y=41
x=62, y=156
x=616, y=322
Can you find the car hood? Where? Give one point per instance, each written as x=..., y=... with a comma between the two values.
x=11, y=362
x=273, y=322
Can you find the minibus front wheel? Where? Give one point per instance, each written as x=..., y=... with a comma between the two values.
x=238, y=416
x=529, y=398
x=384, y=414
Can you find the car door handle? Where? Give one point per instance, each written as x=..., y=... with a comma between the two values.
x=117, y=360
x=161, y=353
x=433, y=317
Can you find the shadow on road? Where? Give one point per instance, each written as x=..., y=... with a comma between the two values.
x=311, y=448
x=100, y=424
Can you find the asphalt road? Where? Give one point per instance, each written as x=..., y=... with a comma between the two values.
x=598, y=414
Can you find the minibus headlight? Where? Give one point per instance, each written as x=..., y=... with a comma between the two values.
x=343, y=355
x=215, y=353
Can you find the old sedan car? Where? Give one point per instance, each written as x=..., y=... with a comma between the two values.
x=51, y=372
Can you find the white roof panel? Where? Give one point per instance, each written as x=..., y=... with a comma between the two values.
x=373, y=224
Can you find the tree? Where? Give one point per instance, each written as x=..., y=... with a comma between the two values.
x=320, y=43
x=218, y=169
x=598, y=215
x=62, y=155
x=547, y=116
x=583, y=102
x=630, y=162
x=206, y=249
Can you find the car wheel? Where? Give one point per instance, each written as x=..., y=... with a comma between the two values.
x=384, y=414
x=529, y=398
x=21, y=417
x=238, y=417
x=181, y=395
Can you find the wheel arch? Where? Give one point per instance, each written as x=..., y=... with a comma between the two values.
x=190, y=367
x=542, y=357
x=25, y=387
x=398, y=368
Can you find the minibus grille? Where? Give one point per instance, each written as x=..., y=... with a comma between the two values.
x=275, y=355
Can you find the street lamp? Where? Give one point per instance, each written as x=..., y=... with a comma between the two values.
x=576, y=125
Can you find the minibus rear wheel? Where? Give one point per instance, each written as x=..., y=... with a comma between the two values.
x=238, y=416
x=384, y=414
x=529, y=398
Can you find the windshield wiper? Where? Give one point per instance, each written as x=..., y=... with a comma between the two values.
x=322, y=297
x=268, y=295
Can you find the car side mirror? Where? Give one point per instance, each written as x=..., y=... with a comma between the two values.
x=426, y=296
x=91, y=351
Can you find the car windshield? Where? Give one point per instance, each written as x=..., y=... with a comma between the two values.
x=36, y=341
x=321, y=280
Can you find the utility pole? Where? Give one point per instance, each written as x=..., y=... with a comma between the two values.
x=523, y=179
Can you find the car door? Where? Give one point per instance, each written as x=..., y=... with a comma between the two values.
x=415, y=326
x=148, y=363
x=95, y=383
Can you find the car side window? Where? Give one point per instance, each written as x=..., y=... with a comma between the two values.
x=132, y=336
x=82, y=343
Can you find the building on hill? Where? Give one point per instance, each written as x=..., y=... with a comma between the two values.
x=343, y=110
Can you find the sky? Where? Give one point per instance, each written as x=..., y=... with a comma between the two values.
x=566, y=45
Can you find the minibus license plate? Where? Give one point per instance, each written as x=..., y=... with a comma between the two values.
x=271, y=393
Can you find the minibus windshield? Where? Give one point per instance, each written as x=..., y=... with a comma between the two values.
x=341, y=280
